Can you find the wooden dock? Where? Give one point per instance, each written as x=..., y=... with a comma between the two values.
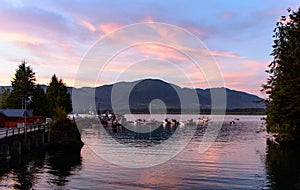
x=11, y=132
x=18, y=141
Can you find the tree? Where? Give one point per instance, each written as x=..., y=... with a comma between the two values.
x=39, y=102
x=58, y=96
x=23, y=86
x=283, y=83
x=5, y=93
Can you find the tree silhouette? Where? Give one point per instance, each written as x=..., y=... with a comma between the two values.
x=58, y=96
x=23, y=86
x=39, y=102
x=5, y=93
x=283, y=84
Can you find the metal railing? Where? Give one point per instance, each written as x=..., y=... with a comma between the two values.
x=5, y=133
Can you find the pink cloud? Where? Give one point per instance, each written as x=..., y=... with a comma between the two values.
x=87, y=25
x=228, y=15
x=241, y=81
x=21, y=37
x=145, y=52
x=235, y=77
x=161, y=52
x=108, y=27
x=198, y=31
x=226, y=54
x=147, y=19
x=256, y=64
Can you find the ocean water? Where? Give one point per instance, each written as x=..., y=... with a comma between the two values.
x=238, y=158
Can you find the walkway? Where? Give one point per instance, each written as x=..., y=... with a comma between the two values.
x=5, y=133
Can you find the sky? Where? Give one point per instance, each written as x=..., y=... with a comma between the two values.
x=57, y=37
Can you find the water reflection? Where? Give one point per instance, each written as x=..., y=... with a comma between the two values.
x=283, y=167
x=238, y=159
x=135, y=138
x=62, y=164
x=23, y=172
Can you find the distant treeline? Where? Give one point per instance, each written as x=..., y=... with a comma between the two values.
x=240, y=111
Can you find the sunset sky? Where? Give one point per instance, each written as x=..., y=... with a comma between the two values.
x=55, y=36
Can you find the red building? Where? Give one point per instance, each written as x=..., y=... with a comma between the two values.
x=12, y=118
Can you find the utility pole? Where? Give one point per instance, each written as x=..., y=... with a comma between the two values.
x=25, y=110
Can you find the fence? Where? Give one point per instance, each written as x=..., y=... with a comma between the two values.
x=5, y=133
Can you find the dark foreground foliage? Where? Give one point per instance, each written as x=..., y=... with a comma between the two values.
x=283, y=84
x=63, y=133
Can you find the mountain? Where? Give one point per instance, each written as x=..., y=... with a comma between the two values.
x=139, y=95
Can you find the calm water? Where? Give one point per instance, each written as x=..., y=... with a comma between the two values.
x=239, y=159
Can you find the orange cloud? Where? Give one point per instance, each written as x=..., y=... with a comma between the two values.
x=145, y=52
x=20, y=37
x=147, y=19
x=161, y=52
x=87, y=25
x=108, y=27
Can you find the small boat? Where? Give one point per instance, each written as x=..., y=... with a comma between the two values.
x=232, y=122
x=151, y=122
x=144, y=122
x=190, y=122
x=171, y=122
x=109, y=119
x=202, y=120
x=165, y=122
x=174, y=123
x=138, y=122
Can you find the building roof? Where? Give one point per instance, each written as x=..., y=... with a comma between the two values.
x=16, y=112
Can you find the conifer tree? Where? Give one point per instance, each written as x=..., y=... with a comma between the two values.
x=283, y=84
x=39, y=102
x=23, y=86
x=58, y=96
x=5, y=93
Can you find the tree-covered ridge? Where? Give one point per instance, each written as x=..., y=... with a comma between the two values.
x=283, y=83
x=26, y=94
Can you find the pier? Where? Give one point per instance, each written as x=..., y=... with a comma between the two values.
x=16, y=141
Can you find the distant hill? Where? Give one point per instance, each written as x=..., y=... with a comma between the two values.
x=137, y=96
x=142, y=92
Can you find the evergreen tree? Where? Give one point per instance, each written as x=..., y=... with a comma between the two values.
x=39, y=102
x=23, y=86
x=283, y=84
x=5, y=93
x=58, y=96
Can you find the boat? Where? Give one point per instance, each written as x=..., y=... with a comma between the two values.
x=165, y=122
x=107, y=118
x=202, y=120
x=171, y=122
x=144, y=122
x=190, y=122
x=110, y=120
x=174, y=123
